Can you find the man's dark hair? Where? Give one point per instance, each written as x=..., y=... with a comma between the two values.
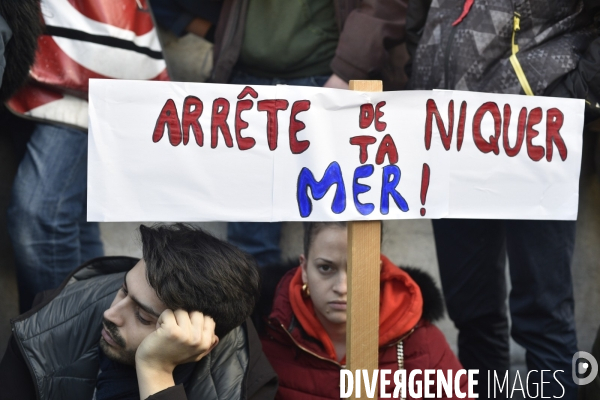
x=192, y=270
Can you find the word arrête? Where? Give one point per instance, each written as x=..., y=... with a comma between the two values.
x=179, y=129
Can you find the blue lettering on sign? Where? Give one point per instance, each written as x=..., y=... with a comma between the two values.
x=332, y=176
x=388, y=188
x=364, y=171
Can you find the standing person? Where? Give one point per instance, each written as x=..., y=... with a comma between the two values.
x=305, y=340
x=269, y=42
x=47, y=211
x=533, y=47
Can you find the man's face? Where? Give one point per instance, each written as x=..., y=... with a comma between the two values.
x=131, y=317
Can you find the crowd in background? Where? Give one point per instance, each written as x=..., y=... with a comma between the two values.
x=452, y=44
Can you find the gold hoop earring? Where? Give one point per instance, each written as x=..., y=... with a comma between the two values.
x=305, y=291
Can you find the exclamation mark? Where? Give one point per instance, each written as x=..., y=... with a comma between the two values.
x=424, y=187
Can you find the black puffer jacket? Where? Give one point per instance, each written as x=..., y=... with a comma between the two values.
x=558, y=47
x=57, y=355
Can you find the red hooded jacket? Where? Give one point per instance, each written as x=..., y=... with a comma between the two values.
x=303, y=356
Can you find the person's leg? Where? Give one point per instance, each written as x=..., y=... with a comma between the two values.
x=46, y=209
x=90, y=242
x=261, y=239
x=472, y=261
x=541, y=299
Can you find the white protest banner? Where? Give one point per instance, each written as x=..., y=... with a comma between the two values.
x=167, y=151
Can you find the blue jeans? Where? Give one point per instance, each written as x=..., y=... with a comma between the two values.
x=47, y=212
x=472, y=259
x=261, y=239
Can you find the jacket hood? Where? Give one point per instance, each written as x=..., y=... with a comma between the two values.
x=402, y=306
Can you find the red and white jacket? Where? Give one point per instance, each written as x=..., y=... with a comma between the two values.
x=86, y=39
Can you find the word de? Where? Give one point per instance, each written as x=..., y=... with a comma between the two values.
x=192, y=108
x=526, y=130
x=368, y=114
x=429, y=383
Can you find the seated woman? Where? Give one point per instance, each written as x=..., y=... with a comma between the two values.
x=305, y=339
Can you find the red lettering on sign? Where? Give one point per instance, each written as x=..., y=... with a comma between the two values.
x=367, y=113
x=379, y=125
x=168, y=116
x=432, y=111
x=244, y=143
x=220, y=111
x=363, y=142
x=387, y=147
x=554, y=121
x=521, y=124
x=190, y=120
x=247, y=91
x=272, y=107
x=536, y=153
x=460, y=131
x=483, y=145
x=298, y=146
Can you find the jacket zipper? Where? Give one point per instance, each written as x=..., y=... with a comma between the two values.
x=395, y=343
x=335, y=362
x=308, y=351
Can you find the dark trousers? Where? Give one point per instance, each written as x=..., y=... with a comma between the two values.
x=472, y=256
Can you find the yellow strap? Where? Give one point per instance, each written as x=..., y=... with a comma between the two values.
x=515, y=61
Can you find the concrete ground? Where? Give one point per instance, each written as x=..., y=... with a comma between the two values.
x=407, y=242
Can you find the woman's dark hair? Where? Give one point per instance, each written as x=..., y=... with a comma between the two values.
x=192, y=270
x=311, y=229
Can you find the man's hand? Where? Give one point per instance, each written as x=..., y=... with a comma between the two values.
x=180, y=338
x=336, y=82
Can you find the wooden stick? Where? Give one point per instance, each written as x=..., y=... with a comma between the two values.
x=362, y=327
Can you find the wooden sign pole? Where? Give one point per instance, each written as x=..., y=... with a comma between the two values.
x=364, y=246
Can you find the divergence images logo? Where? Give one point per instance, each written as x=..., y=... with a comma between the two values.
x=584, y=364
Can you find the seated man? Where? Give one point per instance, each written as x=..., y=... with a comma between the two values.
x=172, y=327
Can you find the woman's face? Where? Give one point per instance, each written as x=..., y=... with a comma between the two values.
x=325, y=273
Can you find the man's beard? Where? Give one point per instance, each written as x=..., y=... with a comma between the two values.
x=120, y=354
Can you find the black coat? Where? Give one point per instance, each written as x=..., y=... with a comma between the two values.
x=559, y=47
